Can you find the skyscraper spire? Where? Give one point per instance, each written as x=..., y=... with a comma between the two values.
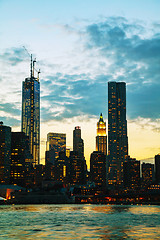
x=31, y=65
x=34, y=61
x=101, y=118
x=101, y=138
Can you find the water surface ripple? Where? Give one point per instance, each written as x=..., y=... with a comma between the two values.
x=79, y=222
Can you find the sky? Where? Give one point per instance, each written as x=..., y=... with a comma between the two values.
x=79, y=47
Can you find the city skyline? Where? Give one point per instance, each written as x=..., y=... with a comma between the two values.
x=79, y=52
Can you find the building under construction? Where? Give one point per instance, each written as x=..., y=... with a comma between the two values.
x=31, y=111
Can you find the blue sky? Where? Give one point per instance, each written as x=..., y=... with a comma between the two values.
x=79, y=46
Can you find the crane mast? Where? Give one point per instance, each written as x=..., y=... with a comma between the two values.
x=32, y=65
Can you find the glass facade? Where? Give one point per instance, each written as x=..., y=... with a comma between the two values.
x=117, y=132
x=31, y=114
x=56, y=142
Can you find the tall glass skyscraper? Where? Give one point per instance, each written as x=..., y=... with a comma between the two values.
x=117, y=133
x=31, y=112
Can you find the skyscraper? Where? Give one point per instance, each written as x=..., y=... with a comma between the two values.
x=5, y=153
x=20, y=159
x=157, y=168
x=78, y=144
x=77, y=169
x=77, y=162
x=117, y=132
x=131, y=170
x=147, y=174
x=56, y=142
x=101, y=138
x=31, y=112
x=98, y=169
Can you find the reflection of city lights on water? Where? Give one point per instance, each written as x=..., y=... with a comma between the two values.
x=145, y=210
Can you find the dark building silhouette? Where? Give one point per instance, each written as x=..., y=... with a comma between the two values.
x=77, y=169
x=78, y=144
x=61, y=168
x=50, y=157
x=57, y=170
x=117, y=133
x=5, y=153
x=157, y=168
x=147, y=174
x=49, y=164
x=98, y=169
x=131, y=174
x=39, y=175
x=56, y=142
x=21, y=159
x=31, y=112
x=101, y=138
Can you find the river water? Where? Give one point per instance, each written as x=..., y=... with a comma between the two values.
x=79, y=222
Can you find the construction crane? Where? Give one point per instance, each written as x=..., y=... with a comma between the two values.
x=33, y=65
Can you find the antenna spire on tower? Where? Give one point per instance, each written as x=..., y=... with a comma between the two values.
x=33, y=69
x=31, y=65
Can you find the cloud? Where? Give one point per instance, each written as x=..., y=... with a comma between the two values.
x=114, y=49
x=147, y=123
x=10, y=114
x=14, y=55
x=13, y=64
x=10, y=121
x=135, y=55
x=10, y=108
x=73, y=95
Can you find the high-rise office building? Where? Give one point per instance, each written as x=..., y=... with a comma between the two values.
x=77, y=169
x=56, y=142
x=98, y=169
x=39, y=175
x=61, y=168
x=31, y=112
x=117, y=133
x=131, y=174
x=21, y=159
x=5, y=153
x=157, y=168
x=147, y=174
x=78, y=144
x=101, y=138
x=50, y=157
